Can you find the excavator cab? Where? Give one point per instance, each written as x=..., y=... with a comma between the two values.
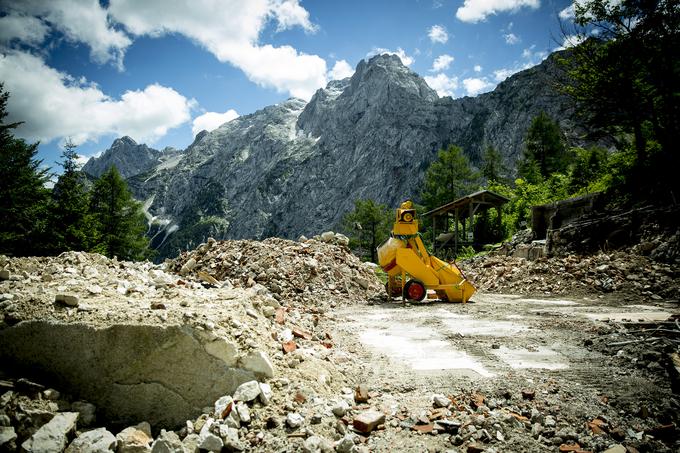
x=412, y=271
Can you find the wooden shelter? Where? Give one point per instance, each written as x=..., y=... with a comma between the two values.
x=462, y=211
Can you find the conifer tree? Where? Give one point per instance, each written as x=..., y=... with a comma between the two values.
x=544, y=151
x=70, y=220
x=23, y=196
x=367, y=226
x=448, y=178
x=119, y=221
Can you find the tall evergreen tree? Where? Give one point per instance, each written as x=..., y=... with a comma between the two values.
x=448, y=178
x=119, y=221
x=544, y=150
x=70, y=221
x=492, y=165
x=23, y=196
x=367, y=226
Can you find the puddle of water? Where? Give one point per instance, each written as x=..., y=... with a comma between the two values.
x=419, y=349
x=543, y=358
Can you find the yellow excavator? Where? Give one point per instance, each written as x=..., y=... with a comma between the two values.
x=412, y=271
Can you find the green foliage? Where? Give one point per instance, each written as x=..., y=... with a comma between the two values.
x=70, y=222
x=588, y=169
x=23, y=196
x=367, y=227
x=492, y=165
x=625, y=83
x=448, y=178
x=545, y=152
x=119, y=221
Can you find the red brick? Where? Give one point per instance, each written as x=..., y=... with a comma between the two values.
x=367, y=421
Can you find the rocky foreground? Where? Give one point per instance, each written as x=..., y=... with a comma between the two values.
x=253, y=346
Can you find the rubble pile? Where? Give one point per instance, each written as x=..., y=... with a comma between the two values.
x=320, y=272
x=621, y=272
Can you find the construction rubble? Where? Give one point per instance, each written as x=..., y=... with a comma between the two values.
x=247, y=346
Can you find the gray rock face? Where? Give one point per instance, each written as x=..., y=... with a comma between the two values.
x=129, y=158
x=296, y=168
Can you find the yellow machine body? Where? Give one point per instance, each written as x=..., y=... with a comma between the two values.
x=404, y=256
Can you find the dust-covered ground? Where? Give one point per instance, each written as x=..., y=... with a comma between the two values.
x=324, y=361
x=523, y=374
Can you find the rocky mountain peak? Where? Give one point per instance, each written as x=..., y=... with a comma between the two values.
x=123, y=141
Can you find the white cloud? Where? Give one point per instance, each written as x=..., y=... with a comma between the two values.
x=27, y=29
x=478, y=68
x=54, y=105
x=442, y=63
x=474, y=86
x=504, y=73
x=340, y=70
x=478, y=10
x=80, y=21
x=231, y=32
x=212, y=120
x=438, y=34
x=568, y=13
x=442, y=84
x=405, y=59
x=511, y=38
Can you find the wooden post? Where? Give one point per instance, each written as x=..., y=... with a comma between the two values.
x=455, y=237
x=472, y=227
x=434, y=234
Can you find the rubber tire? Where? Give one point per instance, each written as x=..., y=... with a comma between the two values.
x=418, y=292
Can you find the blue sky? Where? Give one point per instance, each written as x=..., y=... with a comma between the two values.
x=161, y=70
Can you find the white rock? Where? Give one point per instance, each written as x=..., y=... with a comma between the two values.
x=294, y=420
x=341, y=239
x=87, y=412
x=247, y=391
x=327, y=236
x=285, y=336
x=440, y=400
x=230, y=438
x=258, y=363
x=96, y=441
x=345, y=445
x=210, y=442
x=268, y=311
x=224, y=350
x=221, y=405
x=191, y=442
x=53, y=435
x=167, y=442
x=265, y=393
x=133, y=440
x=341, y=408
x=67, y=299
x=7, y=435
x=243, y=412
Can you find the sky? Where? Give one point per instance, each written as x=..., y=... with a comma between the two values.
x=161, y=71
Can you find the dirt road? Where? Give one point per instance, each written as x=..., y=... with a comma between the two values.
x=544, y=367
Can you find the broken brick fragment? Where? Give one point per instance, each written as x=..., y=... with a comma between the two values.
x=299, y=333
x=425, y=429
x=288, y=346
x=477, y=400
x=367, y=421
x=566, y=448
x=280, y=316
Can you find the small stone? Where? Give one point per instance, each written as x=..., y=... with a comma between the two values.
x=167, y=442
x=210, y=442
x=96, y=441
x=265, y=393
x=67, y=299
x=549, y=422
x=294, y=420
x=259, y=363
x=7, y=437
x=223, y=406
x=474, y=448
x=230, y=437
x=345, y=445
x=361, y=393
x=243, y=412
x=367, y=421
x=340, y=409
x=191, y=443
x=528, y=394
x=268, y=311
x=440, y=401
x=51, y=395
x=288, y=346
x=252, y=313
x=618, y=448
x=247, y=391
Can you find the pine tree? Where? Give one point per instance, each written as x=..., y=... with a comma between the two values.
x=367, y=226
x=23, y=196
x=448, y=178
x=119, y=221
x=544, y=150
x=492, y=165
x=70, y=220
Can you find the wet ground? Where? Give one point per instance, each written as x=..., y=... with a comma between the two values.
x=408, y=352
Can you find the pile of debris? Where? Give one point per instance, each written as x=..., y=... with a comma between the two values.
x=634, y=275
x=320, y=272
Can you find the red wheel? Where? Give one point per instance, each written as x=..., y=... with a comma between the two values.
x=414, y=290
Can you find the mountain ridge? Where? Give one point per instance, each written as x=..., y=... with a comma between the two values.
x=295, y=168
